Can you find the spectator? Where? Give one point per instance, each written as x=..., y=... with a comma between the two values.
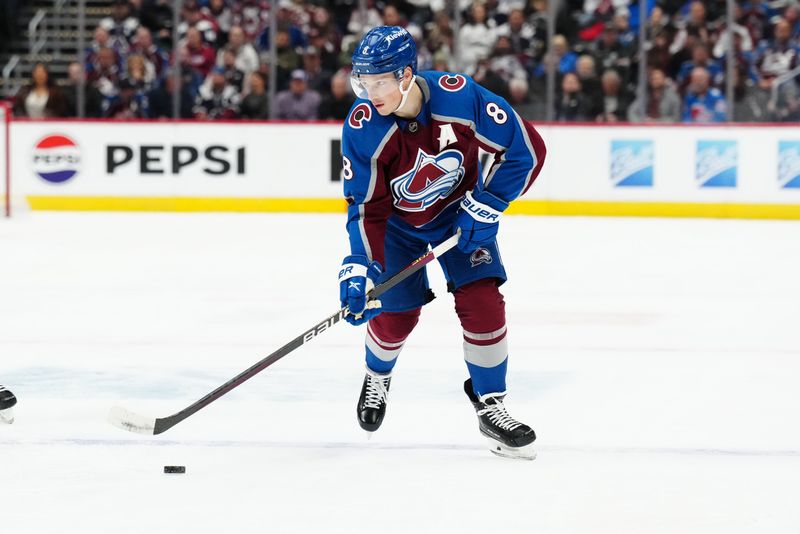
x=590, y=84
x=519, y=33
x=504, y=62
x=520, y=99
x=560, y=55
x=288, y=58
x=393, y=17
x=701, y=58
x=659, y=56
x=489, y=79
x=139, y=75
x=233, y=75
x=217, y=99
x=121, y=26
x=327, y=44
x=105, y=73
x=777, y=57
x=318, y=78
x=160, y=99
x=218, y=11
x=424, y=56
x=703, y=103
x=358, y=25
x=245, y=54
x=193, y=17
x=100, y=40
x=611, y=53
x=156, y=16
x=197, y=54
x=695, y=26
x=40, y=98
x=255, y=105
x=252, y=16
x=440, y=34
x=571, y=105
x=298, y=102
x=93, y=100
x=157, y=57
x=130, y=102
x=663, y=103
x=338, y=103
x=616, y=99
x=475, y=39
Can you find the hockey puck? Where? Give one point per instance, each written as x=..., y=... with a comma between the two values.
x=174, y=469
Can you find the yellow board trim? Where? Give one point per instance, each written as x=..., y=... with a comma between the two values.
x=294, y=205
x=332, y=205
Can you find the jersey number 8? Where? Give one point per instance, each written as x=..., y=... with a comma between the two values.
x=497, y=113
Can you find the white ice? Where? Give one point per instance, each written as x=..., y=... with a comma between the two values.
x=658, y=361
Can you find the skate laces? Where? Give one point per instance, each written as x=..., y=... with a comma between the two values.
x=497, y=413
x=377, y=390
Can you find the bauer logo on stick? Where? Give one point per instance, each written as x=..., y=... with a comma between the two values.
x=56, y=159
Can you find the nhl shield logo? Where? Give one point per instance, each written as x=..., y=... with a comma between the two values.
x=431, y=179
x=481, y=255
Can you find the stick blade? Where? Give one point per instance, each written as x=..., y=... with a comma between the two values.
x=130, y=421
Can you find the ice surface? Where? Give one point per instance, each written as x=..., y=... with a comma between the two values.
x=658, y=360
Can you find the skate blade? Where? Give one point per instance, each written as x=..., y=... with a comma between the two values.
x=7, y=416
x=369, y=434
x=518, y=453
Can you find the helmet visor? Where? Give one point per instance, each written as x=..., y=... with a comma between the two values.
x=374, y=85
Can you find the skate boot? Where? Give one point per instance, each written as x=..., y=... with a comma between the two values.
x=372, y=402
x=507, y=436
x=7, y=402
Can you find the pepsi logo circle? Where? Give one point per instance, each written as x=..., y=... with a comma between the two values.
x=56, y=158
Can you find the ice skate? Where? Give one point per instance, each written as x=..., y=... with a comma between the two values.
x=7, y=402
x=507, y=436
x=372, y=402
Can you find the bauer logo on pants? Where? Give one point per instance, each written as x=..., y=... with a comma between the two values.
x=715, y=163
x=632, y=163
x=56, y=158
x=789, y=164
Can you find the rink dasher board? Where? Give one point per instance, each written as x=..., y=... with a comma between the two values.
x=695, y=171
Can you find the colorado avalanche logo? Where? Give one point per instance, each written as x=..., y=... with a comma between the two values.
x=452, y=83
x=361, y=113
x=56, y=158
x=429, y=180
x=481, y=255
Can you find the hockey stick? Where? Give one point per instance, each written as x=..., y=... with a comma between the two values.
x=133, y=422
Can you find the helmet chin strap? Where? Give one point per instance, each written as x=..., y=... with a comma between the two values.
x=405, y=93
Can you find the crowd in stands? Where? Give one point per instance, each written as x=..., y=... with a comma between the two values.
x=223, y=58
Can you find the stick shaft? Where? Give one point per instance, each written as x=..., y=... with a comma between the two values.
x=165, y=423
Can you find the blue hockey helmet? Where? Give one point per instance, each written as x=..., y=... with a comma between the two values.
x=385, y=49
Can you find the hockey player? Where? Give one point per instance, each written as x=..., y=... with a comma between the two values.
x=7, y=402
x=412, y=177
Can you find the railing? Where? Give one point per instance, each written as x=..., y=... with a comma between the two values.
x=58, y=10
x=8, y=70
x=34, y=44
x=775, y=96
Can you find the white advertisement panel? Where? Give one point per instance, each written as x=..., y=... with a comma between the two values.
x=174, y=159
x=299, y=164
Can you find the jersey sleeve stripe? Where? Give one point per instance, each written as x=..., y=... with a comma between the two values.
x=373, y=177
x=363, y=231
x=471, y=125
x=528, y=144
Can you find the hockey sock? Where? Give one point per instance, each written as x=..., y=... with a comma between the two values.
x=481, y=309
x=386, y=335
